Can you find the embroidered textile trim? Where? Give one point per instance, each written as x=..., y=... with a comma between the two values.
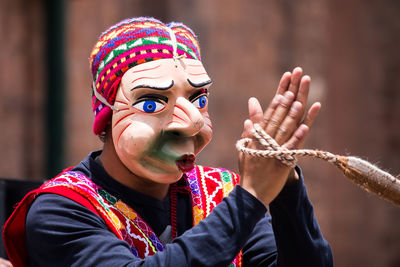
x=207, y=185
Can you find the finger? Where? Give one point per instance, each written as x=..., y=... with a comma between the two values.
x=298, y=138
x=310, y=118
x=290, y=123
x=247, y=126
x=282, y=88
x=312, y=114
x=272, y=125
x=255, y=110
x=271, y=109
x=283, y=83
x=304, y=89
x=295, y=80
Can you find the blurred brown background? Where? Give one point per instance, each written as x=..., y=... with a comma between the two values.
x=349, y=48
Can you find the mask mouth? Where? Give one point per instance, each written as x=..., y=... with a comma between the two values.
x=186, y=162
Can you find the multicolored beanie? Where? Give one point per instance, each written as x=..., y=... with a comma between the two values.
x=129, y=43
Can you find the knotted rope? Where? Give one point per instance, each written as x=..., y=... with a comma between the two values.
x=361, y=172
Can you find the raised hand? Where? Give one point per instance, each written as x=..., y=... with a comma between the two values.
x=285, y=120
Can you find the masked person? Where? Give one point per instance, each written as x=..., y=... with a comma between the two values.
x=142, y=200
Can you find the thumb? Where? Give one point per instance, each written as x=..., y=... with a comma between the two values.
x=247, y=126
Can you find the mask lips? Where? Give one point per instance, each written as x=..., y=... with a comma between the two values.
x=186, y=162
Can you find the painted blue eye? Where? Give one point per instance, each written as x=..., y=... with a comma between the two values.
x=149, y=106
x=200, y=102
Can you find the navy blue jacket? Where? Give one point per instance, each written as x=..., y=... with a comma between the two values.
x=61, y=232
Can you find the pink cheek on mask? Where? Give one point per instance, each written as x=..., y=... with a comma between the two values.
x=126, y=127
x=125, y=116
x=123, y=130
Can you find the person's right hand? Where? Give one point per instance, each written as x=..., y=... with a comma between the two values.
x=285, y=120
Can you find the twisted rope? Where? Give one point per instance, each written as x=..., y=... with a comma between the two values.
x=273, y=150
x=361, y=172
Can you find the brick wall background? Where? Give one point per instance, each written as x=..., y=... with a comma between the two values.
x=349, y=48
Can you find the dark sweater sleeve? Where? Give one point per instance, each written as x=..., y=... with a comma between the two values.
x=298, y=237
x=292, y=236
x=61, y=232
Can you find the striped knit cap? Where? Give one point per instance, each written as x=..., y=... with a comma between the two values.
x=129, y=43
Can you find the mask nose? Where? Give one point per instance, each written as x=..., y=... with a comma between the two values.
x=186, y=118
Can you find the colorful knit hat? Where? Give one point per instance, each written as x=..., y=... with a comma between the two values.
x=129, y=43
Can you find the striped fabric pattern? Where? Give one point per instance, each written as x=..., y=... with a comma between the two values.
x=127, y=44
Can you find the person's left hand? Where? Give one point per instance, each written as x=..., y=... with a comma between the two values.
x=284, y=121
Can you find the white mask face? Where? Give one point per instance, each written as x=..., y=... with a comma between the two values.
x=162, y=121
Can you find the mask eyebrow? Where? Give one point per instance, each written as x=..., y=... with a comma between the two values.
x=198, y=85
x=154, y=86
